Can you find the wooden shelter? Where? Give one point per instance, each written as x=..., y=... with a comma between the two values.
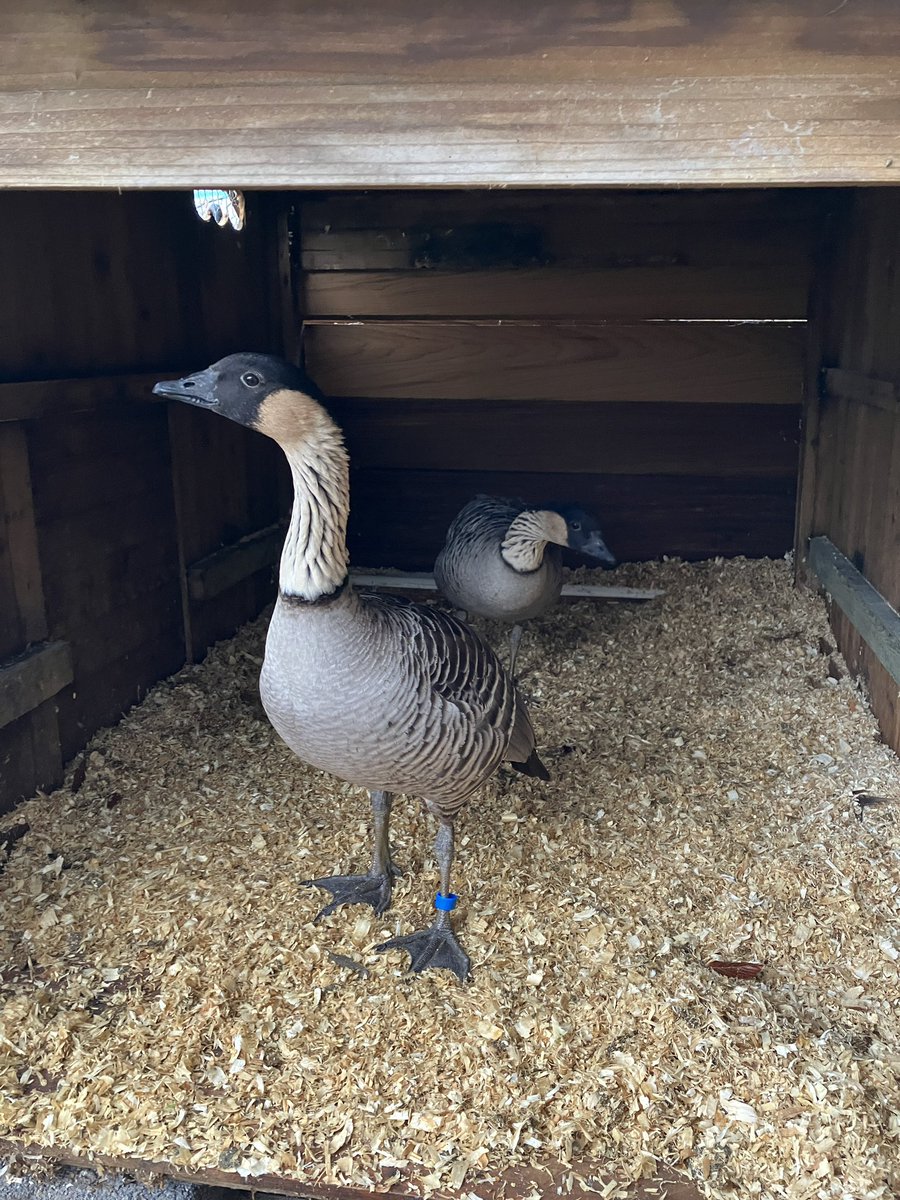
x=643, y=250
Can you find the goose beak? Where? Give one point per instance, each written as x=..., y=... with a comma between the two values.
x=595, y=547
x=199, y=389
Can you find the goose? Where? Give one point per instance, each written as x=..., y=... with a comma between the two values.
x=389, y=695
x=502, y=559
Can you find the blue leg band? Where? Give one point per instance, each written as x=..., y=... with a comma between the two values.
x=445, y=903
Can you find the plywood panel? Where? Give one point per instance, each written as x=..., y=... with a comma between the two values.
x=399, y=518
x=750, y=440
x=675, y=363
x=475, y=94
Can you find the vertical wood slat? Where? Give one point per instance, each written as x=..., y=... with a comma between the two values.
x=30, y=752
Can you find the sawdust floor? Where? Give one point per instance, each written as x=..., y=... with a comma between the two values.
x=167, y=996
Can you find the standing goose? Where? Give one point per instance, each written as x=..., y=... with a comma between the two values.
x=502, y=559
x=386, y=694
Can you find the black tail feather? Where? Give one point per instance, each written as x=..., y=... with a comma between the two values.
x=533, y=767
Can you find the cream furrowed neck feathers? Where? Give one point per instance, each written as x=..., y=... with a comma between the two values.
x=314, y=559
x=527, y=537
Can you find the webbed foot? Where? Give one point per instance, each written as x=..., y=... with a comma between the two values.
x=433, y=947
x=371, y=889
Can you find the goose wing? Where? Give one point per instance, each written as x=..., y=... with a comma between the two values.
x=462, y=684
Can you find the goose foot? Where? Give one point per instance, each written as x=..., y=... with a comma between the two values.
x=372, y=889
x=433, y=947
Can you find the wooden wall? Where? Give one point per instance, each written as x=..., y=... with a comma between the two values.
x=100, y=295
x=851, y=473
x=639, y=353
x=422, y=93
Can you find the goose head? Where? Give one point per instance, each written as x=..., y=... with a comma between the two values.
x=260, y=391
x=583, y=534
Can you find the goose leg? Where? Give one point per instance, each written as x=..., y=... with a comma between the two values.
x=515, y=636
x=436, y=946
x=375, y=887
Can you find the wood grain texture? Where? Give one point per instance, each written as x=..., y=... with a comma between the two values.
x=30, y=753
x=105, y=520
x=107, y=284
x=750, y=440
x=675, y=363
x=399, y=518
x=583, y=1181
x=852, y=462
x=60, y=397
x=477, y=94
x=652, y=292
x=575, y=255
x=229, y=484
x=877, y=623
x=32, y=678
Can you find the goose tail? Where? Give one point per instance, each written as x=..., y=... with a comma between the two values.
x=533, y=767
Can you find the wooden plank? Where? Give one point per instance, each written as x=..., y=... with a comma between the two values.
x=33, y=677
x=581, y=1180
x=57, y=397
x=30, y=753
x=399, y=518
x=674, y=362
x=223, y=569
x=24, y=618
x=473, y=95
x=228, y=484
x=157, y=277
x=632, y=291
x=584, y=437
x=105, y=695
x=867, y=610
x=841, y=384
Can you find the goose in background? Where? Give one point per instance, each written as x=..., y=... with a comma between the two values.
x=502, y=559
x=386, y=694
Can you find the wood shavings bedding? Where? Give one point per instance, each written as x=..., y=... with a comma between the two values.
x=167, y=996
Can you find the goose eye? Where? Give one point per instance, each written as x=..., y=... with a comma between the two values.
x=249, y=379
x=574, y=524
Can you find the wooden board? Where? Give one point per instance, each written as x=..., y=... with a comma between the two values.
x=671, y=362
x=657, y=292
x=851, y=477
x=105, y=520
x=32, y=678
x=228, y=484
x=429, y=374
x=477, y=94
x=750, y=440
x=399, y=518
x=106, y=284
x=51, y=397
x=877, y=623
x=583, y=1181
x=30, y=753
x=599, y=254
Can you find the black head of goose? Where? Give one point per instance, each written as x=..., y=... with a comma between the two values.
x=502, y=558
x=386, y=694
